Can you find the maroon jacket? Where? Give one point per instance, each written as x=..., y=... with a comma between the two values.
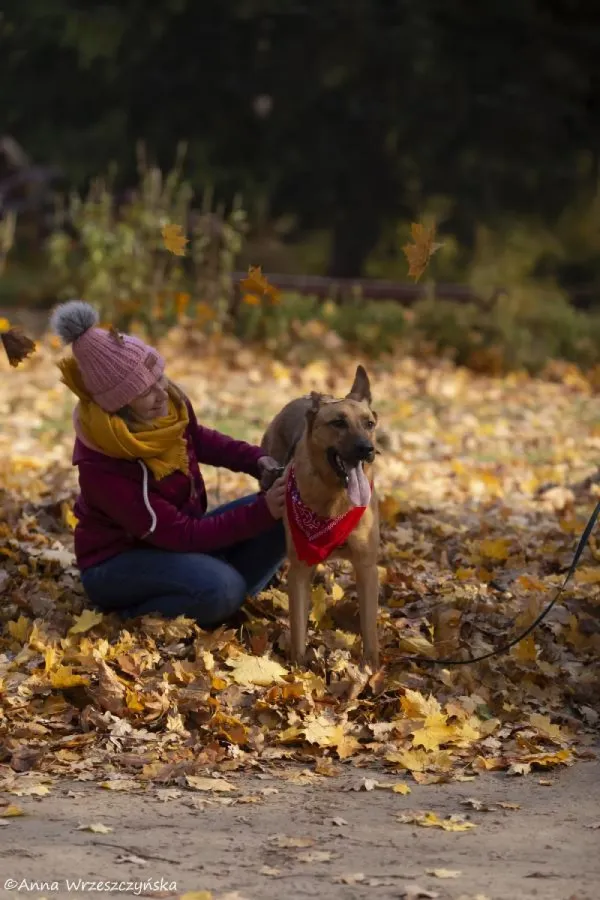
x=121, y=505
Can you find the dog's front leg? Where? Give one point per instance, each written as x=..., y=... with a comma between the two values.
x=299, y=583
x=367, y=588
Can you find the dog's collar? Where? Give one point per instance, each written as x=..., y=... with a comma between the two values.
x=316, y=537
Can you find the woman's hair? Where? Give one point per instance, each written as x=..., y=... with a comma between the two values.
x=128, y=416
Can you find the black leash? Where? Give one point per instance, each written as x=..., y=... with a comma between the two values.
x=506, y=647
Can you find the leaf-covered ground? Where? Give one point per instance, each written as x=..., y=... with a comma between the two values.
x=485, y=486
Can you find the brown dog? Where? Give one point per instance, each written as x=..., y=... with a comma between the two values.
x=328, y=448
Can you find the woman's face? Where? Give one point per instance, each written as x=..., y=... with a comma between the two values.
x=153, y=403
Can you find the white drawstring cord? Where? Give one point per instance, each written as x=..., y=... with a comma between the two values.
x=147, y=499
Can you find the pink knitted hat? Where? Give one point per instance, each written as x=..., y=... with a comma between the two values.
x=115, y=368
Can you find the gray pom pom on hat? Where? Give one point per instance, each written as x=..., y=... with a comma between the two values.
x=70, y=320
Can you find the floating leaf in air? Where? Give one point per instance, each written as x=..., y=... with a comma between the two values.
x=420, y=252
x=255, y=286
x=174, y=239
x=16, y=344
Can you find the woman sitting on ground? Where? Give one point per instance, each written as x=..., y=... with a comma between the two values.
x=144, y=541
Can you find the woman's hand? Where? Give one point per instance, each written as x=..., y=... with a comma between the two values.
x=275, y=498
x=269, y=470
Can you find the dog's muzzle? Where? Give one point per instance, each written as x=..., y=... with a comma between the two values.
x=364, y=451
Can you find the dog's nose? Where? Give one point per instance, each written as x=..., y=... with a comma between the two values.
x=364, y=450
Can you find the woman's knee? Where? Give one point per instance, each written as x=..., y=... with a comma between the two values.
x=220, y=595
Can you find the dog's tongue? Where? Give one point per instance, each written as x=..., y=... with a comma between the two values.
x=359, y=489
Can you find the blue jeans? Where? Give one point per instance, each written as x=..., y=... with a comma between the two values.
x=206, y=587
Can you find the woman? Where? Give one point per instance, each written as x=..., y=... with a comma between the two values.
x=144, y=542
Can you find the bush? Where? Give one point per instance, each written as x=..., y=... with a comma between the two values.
x=118, y=261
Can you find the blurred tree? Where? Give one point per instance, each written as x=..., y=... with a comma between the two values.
x=346, y=113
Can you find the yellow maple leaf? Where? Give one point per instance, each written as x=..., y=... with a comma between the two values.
x=560, y=758
x=256, y=285
x=435, y=731
x=68, y=516
x=196, y=895
x=495, y=549
x=51, y=657
x=323, y=732
x=547, y=728
x=89, y=618
x=420, y=252
x=318, y=611
x=525, y=650
x=337, y=592
x=413, y=760
x=31, y=790
x=530, y=584
x=432, y=820
x=256, y=670
x=416, y=643
x=63, y=677
x=401, y=788
x=174, y=239
x=4, y=325
x=7, y=812
x=416, y=706
x=588, y=575
x=19, y=629
x=468, y=731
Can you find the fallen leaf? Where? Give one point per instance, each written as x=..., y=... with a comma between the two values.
x=350, y=878
x=88, y=619
x=199, y=783
x=269, y=870
x=196, y=895
x=256, y=670
x=414, y=892
x=432, y=820
x=285, y=842
x=401, y=788
x=96, y=827
x=30, y=790
x=63, y=677
x=7, y=812
x=547, y=728
x=444, y=873
x=317, y=856
x=124, y=784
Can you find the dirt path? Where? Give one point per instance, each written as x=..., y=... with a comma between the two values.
x=279, y=838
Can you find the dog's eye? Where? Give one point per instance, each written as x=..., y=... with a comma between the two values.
x=370, y=425
x=339, y=423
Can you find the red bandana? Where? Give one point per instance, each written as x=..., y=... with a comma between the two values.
x=315, y=538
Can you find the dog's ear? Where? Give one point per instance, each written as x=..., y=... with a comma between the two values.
x=361, y=388
x=315, y=404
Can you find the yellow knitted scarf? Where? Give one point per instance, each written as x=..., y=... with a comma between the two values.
x=160, y=444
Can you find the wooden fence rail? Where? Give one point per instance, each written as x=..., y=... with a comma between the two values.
x=340, y=289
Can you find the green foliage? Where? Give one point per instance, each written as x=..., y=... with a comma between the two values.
x=372, y=327
x=119, y=263
x=520, y=330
